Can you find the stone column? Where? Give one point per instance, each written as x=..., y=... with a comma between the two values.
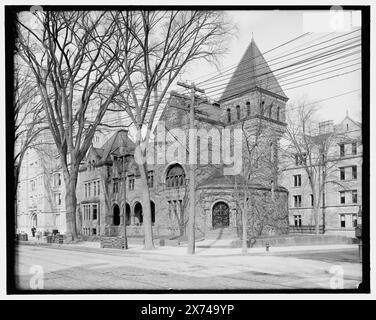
x=132, y=216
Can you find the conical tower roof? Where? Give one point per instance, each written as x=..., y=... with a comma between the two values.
x=252, y=71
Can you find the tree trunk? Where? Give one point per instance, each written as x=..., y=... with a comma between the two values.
x=71, y=202
x=245, y=223
x=146, y=209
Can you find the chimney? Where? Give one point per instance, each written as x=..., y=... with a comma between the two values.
x=326, y=126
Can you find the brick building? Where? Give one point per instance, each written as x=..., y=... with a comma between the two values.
x=254, y=103
x=342, y=197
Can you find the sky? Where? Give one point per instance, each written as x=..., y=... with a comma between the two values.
x=274, y=27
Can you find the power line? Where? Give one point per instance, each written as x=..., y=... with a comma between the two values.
x=279, y=57
x=320, y=55
x=246, y=82
x=233, y=66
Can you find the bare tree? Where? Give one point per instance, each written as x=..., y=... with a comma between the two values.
x=71, y=58
x=312, y=149
x=259, y=166
x=167, y=41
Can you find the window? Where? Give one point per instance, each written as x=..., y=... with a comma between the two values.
x=262, y=107
x=94, y=231
x=95, y=188
x=342, y=197
x=323, y=198
x=278, y=111
x=354, y=172
x=343, y=221
x=342, y=150
x=311, y=200
x=98, y=187
x=88, y=189
x=238, y=112
x=85, y=190
x=228, y=115
x=297, y=201
x=175, y=176
x=58, y=179
x=131, y=183
x=297, y=180
x=354, y=194
x=95, y=211
x=342, y=175
x=353, y=148
x=248, y=108
x=58, y=198
x=86, y=216
x=270, y=110
x=297, y=220
x=151, y=179
x=115, y=187
x=354, y=220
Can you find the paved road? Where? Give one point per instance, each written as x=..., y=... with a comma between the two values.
x=100, y=269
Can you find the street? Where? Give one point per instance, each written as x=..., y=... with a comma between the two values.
x=72, y=269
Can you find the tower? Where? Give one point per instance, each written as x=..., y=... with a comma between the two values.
x=254, y=101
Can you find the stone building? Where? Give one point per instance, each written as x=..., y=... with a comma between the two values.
x=40, y=193
x=342, y=195
x=251, y=112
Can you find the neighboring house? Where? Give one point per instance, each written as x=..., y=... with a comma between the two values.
x=40, y=194
x=342, y=196
x=253, y=99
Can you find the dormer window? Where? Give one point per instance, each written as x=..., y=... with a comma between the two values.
x=278, y=110
x=238, y=112
x=248, y=108
x=270, y=110
x=262, y=108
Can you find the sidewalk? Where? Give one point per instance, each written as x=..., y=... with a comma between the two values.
x=182, y=250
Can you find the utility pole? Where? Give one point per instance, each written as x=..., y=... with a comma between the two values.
x=124, y=171
x=192, y=167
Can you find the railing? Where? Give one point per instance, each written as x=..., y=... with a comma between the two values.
x=306, y=229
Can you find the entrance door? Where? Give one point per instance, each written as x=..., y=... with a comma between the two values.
x=221, y=215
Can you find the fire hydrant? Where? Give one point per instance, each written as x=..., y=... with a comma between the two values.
x=267, y=245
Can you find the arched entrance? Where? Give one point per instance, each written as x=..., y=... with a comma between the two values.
x=128, y=214
x=116, y=215
x=221, y=215
x=152, y=209
x=138, y=213
x=34, y=220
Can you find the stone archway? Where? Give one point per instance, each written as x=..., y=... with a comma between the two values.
x=128, y=214
x=138, y=213
x=220, y=215
x=116, y=215
x=34, y=220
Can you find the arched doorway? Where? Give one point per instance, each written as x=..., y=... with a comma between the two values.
x=128, y=214
x=221, y=215
x=152, y=209
x=116, y=215
x=138, y=213
x=34, y=220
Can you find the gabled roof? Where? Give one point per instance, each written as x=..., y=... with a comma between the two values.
x=252, y=71
x=118, y=140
